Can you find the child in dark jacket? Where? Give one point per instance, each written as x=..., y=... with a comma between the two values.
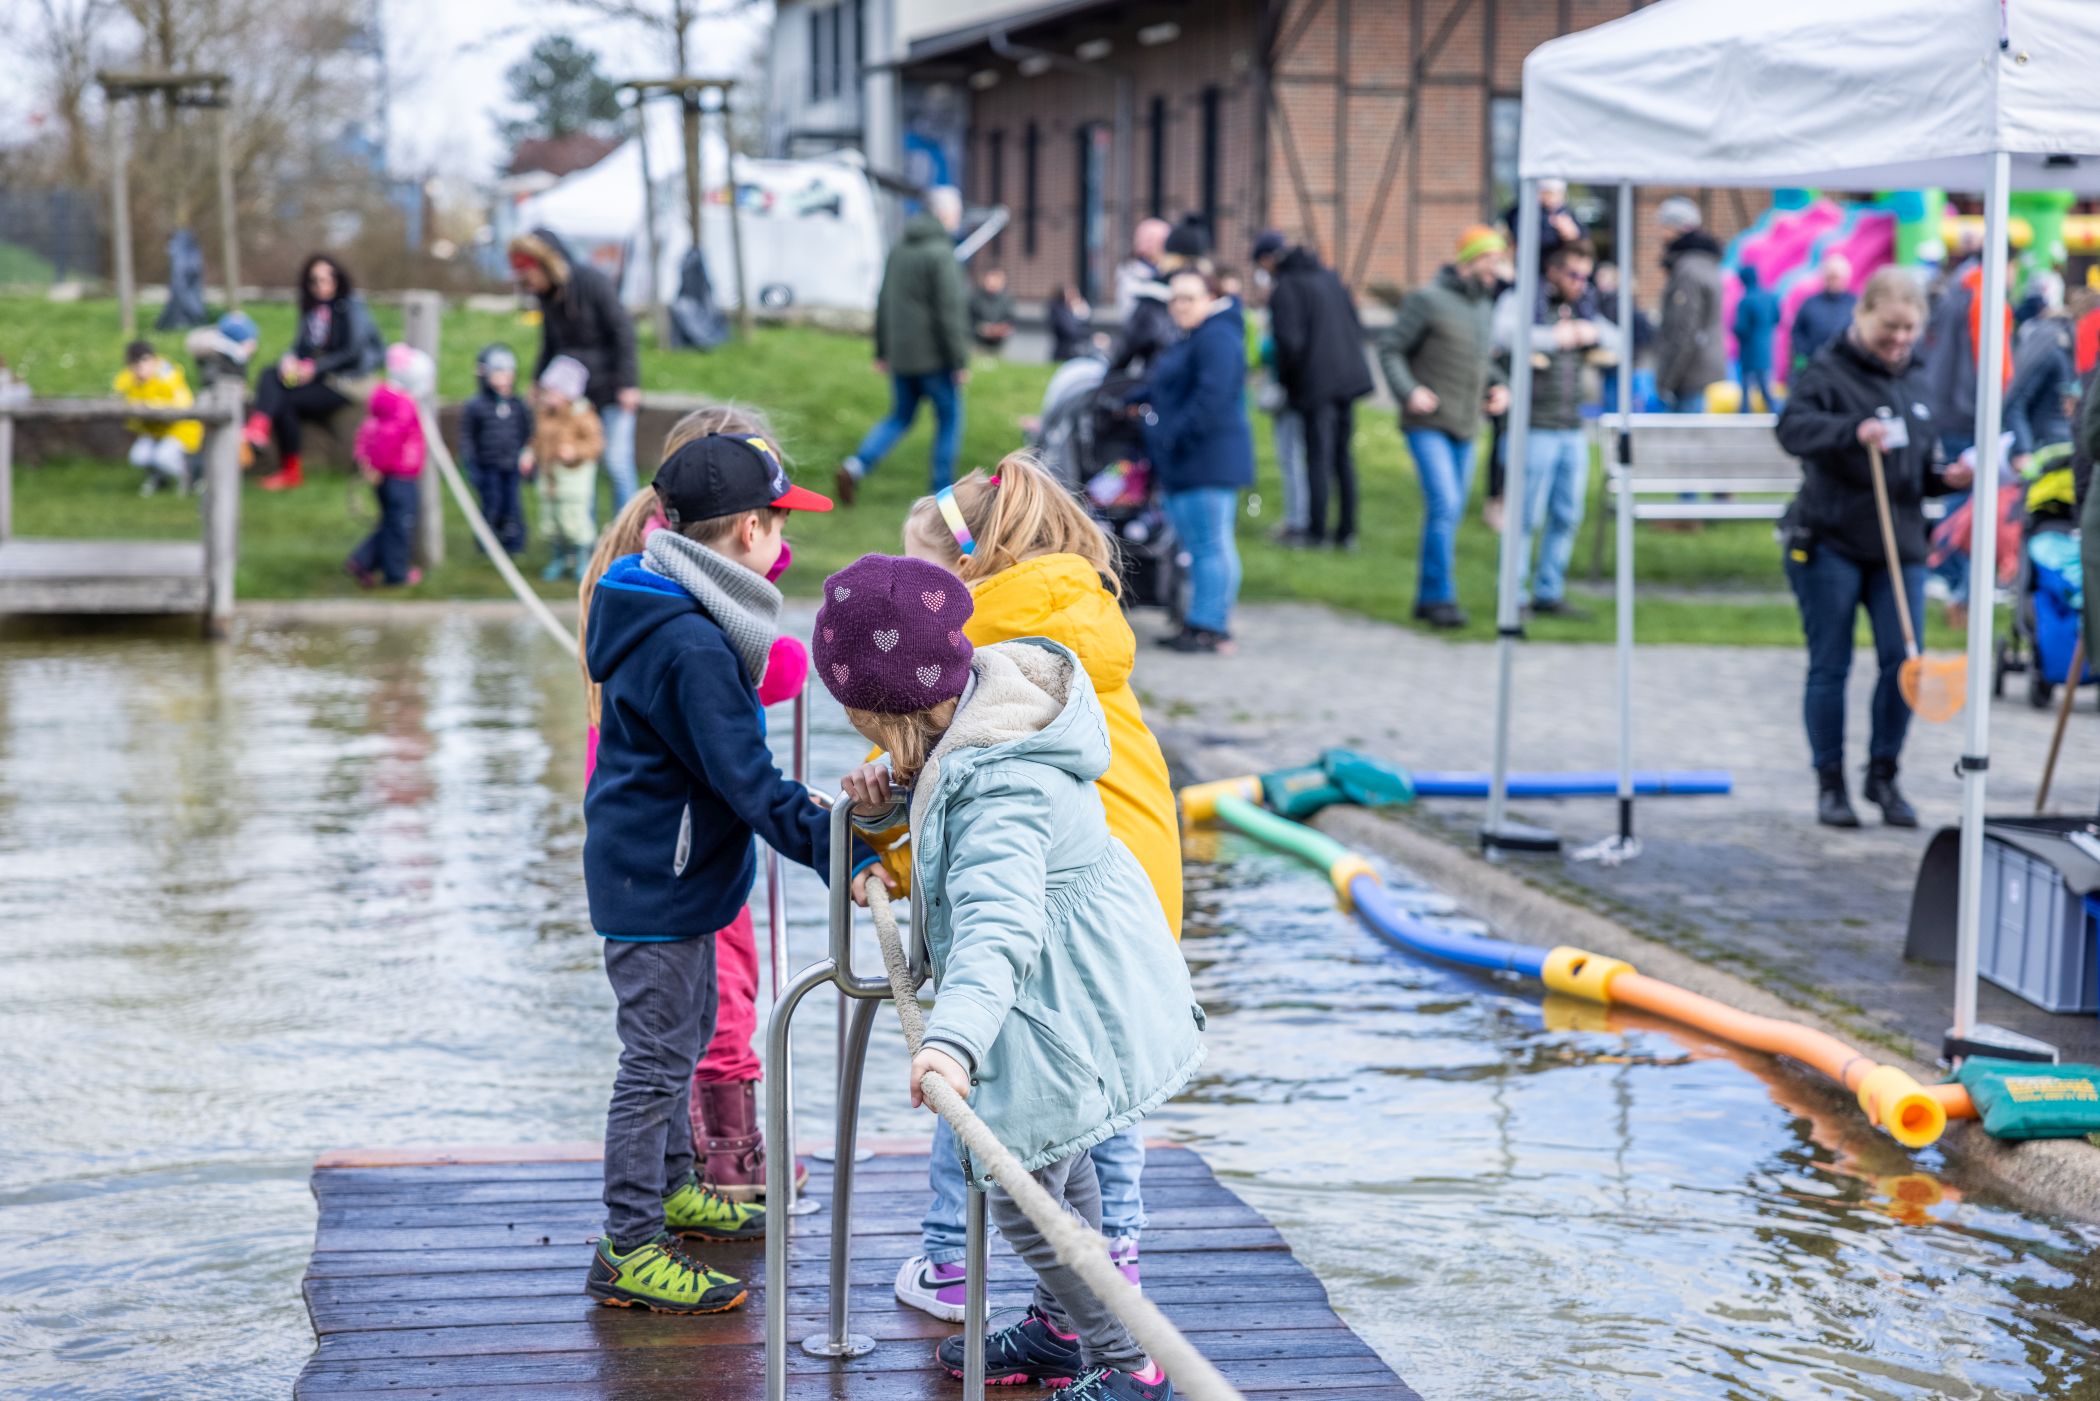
x=678, y=637
x=389, y=452
x=495, y=444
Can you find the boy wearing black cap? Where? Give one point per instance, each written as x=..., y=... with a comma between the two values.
x=678, y=639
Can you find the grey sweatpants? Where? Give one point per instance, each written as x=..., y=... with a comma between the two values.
x=666, y=995
x=1060, y=1296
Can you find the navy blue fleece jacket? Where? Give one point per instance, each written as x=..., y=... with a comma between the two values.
x=684, y=778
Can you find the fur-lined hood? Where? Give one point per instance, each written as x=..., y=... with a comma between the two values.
x=1026, y=699
x=544, y=246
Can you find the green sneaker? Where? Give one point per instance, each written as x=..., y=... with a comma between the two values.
x=661, y=1277
x=693, y=1210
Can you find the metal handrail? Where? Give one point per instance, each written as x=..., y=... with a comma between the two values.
x=794, y=1203
x=861, y=997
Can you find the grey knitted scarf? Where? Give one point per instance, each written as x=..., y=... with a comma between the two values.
x=742, y=603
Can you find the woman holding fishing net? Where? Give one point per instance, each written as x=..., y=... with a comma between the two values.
x=1859, y=419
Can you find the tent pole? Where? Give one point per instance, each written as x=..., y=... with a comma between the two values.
x=1622, y=589
x=1983, y=582
x=1500, y=834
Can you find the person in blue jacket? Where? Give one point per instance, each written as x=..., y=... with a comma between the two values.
x=678, y=638
x=1201, y=446
x=495, y=440
x=1756, y=323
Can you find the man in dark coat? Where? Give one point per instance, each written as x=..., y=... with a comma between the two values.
x=922, y=342
x=581, y=317
x=1690, y=352
x=1823, y=317
x=1321, y=365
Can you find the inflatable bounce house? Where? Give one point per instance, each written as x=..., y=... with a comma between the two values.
x=1788, y=244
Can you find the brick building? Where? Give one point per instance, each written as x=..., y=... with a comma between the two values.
x=1373, y=130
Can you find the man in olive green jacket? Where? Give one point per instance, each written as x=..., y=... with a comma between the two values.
x=922, y=342
x=1438, y=357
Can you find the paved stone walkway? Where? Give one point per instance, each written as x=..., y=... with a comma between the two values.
x=1748, y=882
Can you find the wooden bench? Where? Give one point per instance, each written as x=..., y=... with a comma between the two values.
x=1681, y=462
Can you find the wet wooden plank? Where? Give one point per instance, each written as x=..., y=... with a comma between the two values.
x=463, y=1279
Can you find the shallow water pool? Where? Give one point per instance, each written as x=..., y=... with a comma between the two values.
x=320, y=888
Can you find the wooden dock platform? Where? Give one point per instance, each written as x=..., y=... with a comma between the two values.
x=460, y=1276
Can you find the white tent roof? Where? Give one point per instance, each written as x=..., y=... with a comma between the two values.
x=1853, y=94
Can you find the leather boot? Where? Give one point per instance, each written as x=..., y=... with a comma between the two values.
x=1833, y=808
x=727, y=1140
x=1881, y=791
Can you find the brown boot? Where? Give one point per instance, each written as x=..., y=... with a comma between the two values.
x=727, y=1140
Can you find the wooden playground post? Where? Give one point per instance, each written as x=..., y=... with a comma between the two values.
x=229, y=241
x=691, y=94
x=120, y=217
x=207, y=91
x=222, y=505
x=420, y=315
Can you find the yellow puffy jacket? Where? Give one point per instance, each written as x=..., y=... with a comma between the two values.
x=1061, y=597
x=166, y=390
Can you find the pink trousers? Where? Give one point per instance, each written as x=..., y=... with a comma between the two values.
x=729, y=1057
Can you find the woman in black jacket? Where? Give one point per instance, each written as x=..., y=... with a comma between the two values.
x=1864, y=388
x=335, y=353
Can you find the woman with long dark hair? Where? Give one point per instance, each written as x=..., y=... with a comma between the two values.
x=335, y=356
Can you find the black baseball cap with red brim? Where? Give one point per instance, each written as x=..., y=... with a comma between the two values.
x=720, y=476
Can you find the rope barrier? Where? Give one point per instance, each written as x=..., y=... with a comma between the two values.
x=490, y=545
x=1079, y=1247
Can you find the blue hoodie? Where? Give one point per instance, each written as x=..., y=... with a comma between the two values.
x=684, y=778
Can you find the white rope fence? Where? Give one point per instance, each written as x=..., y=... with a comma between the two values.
x=1079, y=1248
x=490, y=545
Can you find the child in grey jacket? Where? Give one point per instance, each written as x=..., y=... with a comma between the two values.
x=1063, y=1010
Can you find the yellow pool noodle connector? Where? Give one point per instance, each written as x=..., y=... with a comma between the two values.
x=1901, y=1105
x=1199, y=801
x=1343, y=872
x=1580, y=973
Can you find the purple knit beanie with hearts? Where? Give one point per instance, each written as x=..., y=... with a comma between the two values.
x=889, y=636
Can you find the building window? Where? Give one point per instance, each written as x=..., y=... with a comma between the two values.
x=1090, y=249
x=1158, y=201
x=995, y=159
x=1030, y=140
x=1213, y=100
x=816, y=55
x=838, y=50
x=1505, y=118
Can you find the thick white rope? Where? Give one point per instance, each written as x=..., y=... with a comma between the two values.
x=498, y=556
x=1078, y=1247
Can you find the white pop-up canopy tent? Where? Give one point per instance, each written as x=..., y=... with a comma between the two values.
x=1972, y=95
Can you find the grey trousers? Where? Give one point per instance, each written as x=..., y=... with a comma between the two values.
x=666, y=1017
x=1060, y=1296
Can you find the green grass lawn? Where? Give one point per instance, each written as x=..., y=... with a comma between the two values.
x=822, y=395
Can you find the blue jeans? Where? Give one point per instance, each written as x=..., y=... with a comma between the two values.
x=1203, y=519
x=618, y=460
x=1556, y=483
x=388, y=551
x=1689, y=403
x=1761, y=381
x=1287, y=429
x=1831, y=590
x=1445, y=466
x=1118, y=1161
x=905, y=393
x=500, y=506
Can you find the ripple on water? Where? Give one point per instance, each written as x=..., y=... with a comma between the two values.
x=321, y=888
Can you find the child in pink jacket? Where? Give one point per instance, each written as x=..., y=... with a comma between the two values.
x=389, y=454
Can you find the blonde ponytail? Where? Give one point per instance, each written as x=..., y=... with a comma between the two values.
x=1021, y=513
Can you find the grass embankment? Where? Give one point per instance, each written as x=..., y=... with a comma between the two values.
x=823, y=395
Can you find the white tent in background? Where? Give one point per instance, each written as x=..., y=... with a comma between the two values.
x=1972, y=95
x=812, y=237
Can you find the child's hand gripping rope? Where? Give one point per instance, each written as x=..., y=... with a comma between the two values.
x=1079, y=1248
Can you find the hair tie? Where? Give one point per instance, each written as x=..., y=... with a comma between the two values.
x=952, y=513
x=992, y=481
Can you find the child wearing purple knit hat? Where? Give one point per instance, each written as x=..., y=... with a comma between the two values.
x=1062, y=1009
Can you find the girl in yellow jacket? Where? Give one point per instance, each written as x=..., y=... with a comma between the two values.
x=1038, y=566
x=162, y=450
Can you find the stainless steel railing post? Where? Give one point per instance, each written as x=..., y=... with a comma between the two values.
x=838, y=1340
x=794, y=1203
x=977, y=1249
x=780, y=1171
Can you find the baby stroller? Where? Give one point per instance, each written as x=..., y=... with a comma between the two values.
x=1089, y=443
x=2048, y=591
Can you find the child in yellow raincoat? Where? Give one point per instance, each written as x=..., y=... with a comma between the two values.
x=1038, y=566
x=161, y=450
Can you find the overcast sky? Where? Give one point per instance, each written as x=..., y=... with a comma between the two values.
x=448, y=58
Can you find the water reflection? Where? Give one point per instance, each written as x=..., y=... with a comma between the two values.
x=321, y=888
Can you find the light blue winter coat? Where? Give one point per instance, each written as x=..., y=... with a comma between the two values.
x=1057, y=981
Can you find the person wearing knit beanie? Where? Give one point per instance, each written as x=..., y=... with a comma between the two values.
x=889, y=635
